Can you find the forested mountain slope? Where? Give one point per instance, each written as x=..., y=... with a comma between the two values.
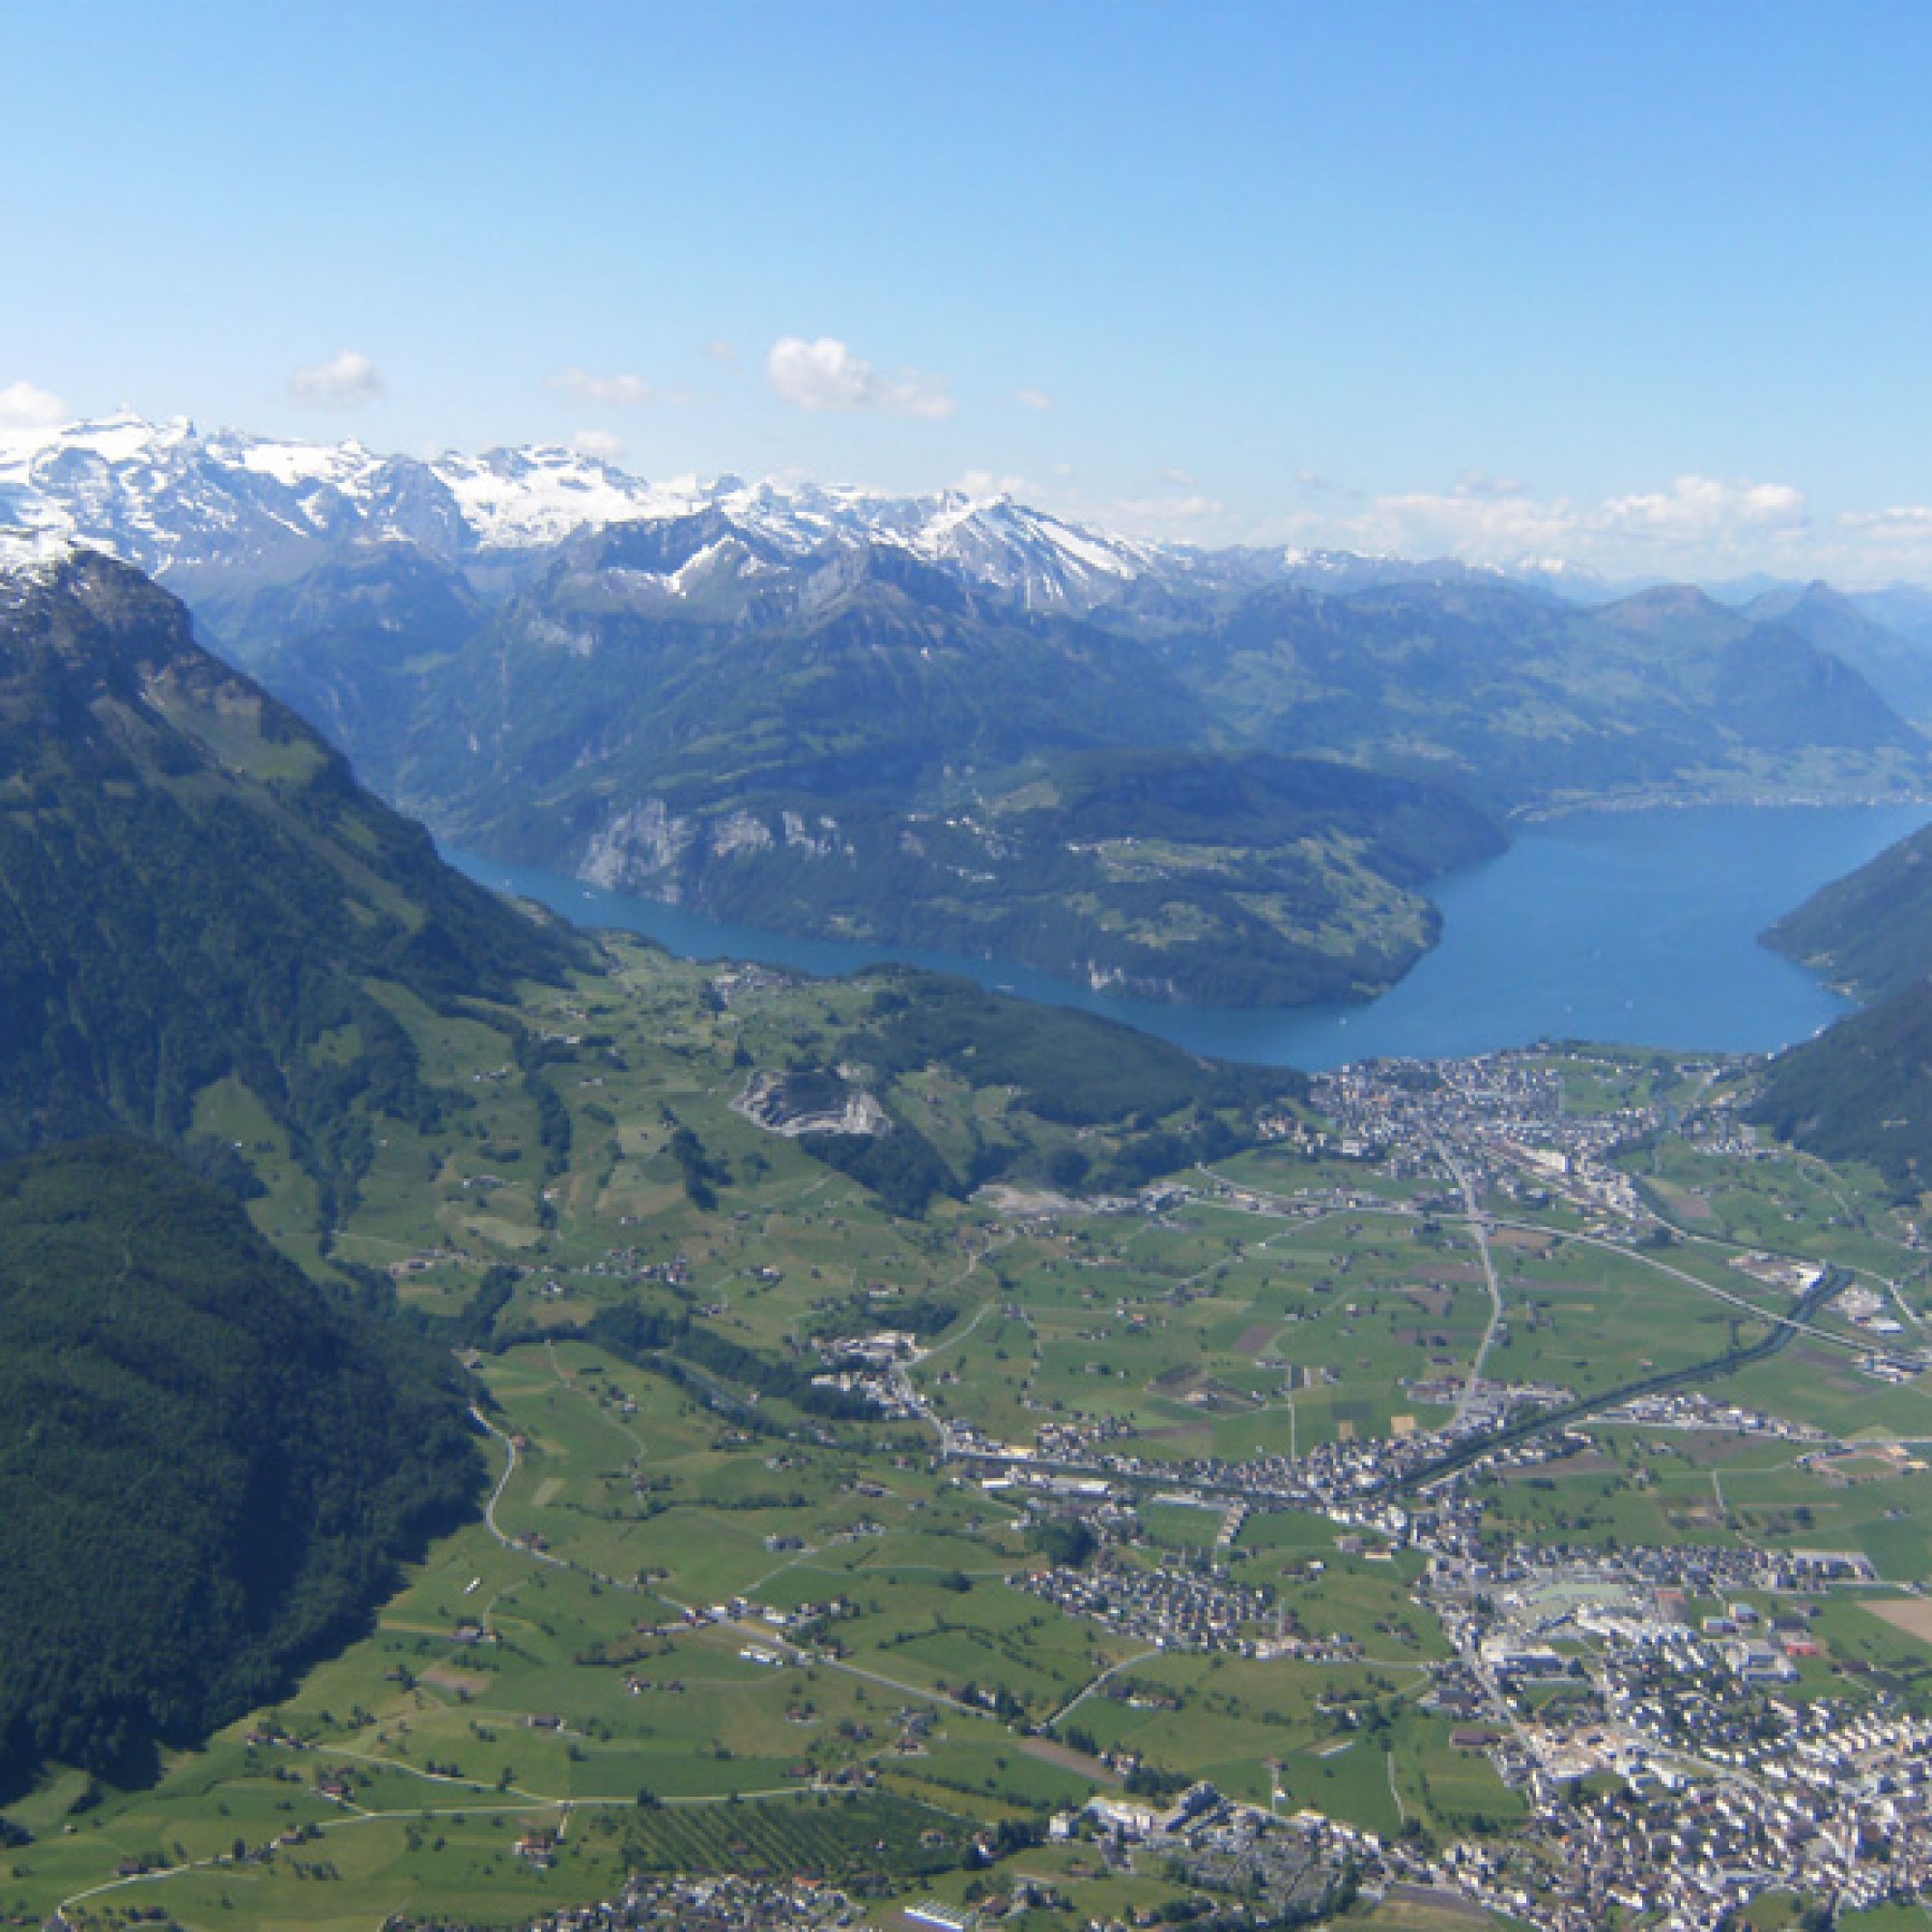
x=208, y=1470
x=1862, y=1090
x=1870, y=931
x=193, y=886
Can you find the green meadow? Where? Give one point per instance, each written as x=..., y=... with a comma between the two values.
x=711, y=1622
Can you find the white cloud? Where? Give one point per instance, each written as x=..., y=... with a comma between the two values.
x=1884, y=545
x=1479, y=525
x=825, y=377
x=1033, y=399
x=607, y=392
x=1194, y=518
x=345, y=381
x=600, y=443
x=26, y=406
x=1698, y=523
x=720, y=350
x=1702, y=510
x=984, y=485
x=1902, y=522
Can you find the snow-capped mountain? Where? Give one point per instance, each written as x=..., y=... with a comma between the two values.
x=173, y=500
x=183, y=503
x=191, y=507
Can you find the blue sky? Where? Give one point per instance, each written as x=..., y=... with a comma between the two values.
x=1643, y=285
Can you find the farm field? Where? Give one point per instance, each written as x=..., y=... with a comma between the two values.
x=719, y=1616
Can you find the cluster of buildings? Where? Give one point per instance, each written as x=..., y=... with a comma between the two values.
x=1672, y=1765
x=1289, y=1871
x=724, y=1904
x=1649, y=1674
x=1503, y=1111
x=1352, y=1482
x=1705, y=1416
x=874, y=1367
x=1170, y=1609
x=1664, y=1713
x=1832, y=1811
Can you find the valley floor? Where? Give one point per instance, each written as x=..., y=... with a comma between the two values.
x=1503, y=1490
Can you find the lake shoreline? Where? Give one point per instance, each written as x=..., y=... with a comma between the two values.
x=1637, y=926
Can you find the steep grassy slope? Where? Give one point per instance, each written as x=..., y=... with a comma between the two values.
x=348, y=645
x=1896, y=664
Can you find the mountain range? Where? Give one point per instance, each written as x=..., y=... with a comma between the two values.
x=233, y=509
x=956, y=722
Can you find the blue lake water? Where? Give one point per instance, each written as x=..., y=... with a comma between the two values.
x=1639, y=928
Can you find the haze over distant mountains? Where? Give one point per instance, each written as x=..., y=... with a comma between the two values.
x=965, y=723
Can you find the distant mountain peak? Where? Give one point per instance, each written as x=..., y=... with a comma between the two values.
x=179, y=501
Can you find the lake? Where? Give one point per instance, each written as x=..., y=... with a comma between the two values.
x=1639, y=928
